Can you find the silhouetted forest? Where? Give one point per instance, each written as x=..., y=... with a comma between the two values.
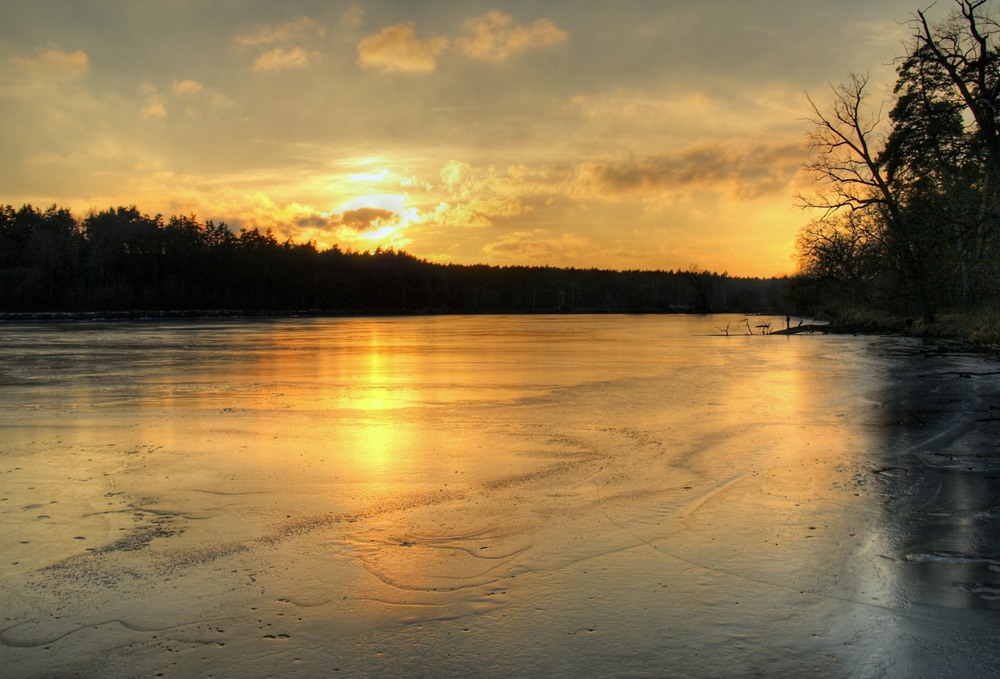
x=120, y=259
x=910, y=204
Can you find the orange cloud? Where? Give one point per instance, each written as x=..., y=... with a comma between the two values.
x=154, y=106
x=480, y=196
x=460, y=215
x=186, y=87
x=491, y=37
x=55, y=62
x=286, y=42
x=397, y=48
x=279, y=59
x=495, y=37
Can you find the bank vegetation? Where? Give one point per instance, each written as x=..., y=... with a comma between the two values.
x=908, y=232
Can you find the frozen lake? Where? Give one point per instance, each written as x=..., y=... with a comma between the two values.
x=494, y=496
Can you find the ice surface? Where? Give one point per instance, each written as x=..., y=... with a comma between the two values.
x=493, y=496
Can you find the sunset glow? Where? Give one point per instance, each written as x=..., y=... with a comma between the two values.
x=627, y=135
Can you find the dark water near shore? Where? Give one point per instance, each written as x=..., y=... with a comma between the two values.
x=494, y=496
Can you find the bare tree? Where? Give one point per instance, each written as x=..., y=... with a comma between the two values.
x=846, y=158
x=845, y=152
x=843, y=249
x=964, y=46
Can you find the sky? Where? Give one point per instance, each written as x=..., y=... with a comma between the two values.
x=633, y=134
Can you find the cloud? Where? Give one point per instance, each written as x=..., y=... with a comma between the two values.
x=287, y=42
x=397, y=49
x=194, y=99
x=479, y=196
x=495, y=37
x=55, y=63
x=376, y=177
x=302, y=29
x=358, y=221
x=361, y=223
x=354, y=15
x=155, y=106
x=454, y=174
x=351, y=227
x=460, y=215
x=490, y=187
x=280, y=59
x=741, y=173
x=154, y=109
x=186, y=87
x=478, y=212
x=491, y=37
x=669, y=117
x=539, y=245
x=368, y=218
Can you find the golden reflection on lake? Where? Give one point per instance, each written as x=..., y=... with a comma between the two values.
x=545, y=495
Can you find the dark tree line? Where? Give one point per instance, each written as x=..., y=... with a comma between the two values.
x=121, y=260
x=910, y=203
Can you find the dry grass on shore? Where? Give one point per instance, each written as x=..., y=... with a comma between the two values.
x=979, y=328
